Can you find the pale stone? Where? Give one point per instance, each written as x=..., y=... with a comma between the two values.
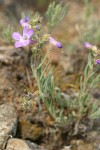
x=8, y=122
x=19, y=144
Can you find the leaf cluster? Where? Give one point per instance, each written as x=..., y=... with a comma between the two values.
x=6, y=34
x=87, y=107
x=55, y=14
x=65, y=110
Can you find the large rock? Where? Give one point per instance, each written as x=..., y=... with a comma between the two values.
x=8, y=123
x=19, y=144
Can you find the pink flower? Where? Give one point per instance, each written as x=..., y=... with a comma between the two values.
x=25, y=22
x=54, y=42
x=98, y=61
x=25, y=39
x=87, y=45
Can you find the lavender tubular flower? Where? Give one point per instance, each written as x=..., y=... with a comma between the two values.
x=54, y=42
x=25, y=22
x=23, y=40
x=94, y=49
x=98, y=61
x=87, y=45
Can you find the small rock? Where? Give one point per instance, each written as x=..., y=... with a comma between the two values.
x=8, y=122
x=19, y=144
x=66, y=148
x=81, y=145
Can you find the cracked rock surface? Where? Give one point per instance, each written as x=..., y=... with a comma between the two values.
x=19, y=144
x=8, y=123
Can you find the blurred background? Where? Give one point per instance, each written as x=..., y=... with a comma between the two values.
x=80, y=23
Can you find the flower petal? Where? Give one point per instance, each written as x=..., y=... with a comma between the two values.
x=30, y=33
x=98, y=61
x=18, y=44
x=59, y=45
x=25, y=24
x=54, y=42
x=16, y=36
x=25, y=30
x=87, y=45
x=22, y=43
x=26, y=42
x=24, y=21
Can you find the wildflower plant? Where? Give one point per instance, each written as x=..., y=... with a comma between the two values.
x=86, y=108
x=63, y=110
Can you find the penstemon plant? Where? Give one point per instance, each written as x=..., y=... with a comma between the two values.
x=63, y=110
